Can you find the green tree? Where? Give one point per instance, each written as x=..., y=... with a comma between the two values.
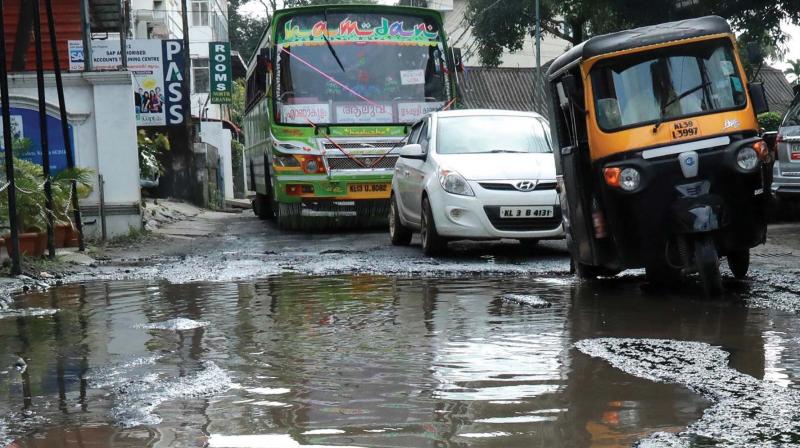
x=794, y=70
x=499, y=25
x=245, y=30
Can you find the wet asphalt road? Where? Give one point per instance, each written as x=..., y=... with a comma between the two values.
x=228, y=333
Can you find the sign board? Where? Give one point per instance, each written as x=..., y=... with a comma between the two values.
x=25, y=127
x=303, y=113
x=364, y=113
x=158, y=68
x=219, y=54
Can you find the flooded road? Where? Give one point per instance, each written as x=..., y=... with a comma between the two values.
x=370, y=360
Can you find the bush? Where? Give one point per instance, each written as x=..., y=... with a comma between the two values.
x=150, y=151
x=770, y=121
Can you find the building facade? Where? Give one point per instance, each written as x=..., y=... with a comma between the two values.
x=208, y=22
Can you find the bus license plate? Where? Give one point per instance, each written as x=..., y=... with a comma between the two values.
x=526, y=212
x=794, y=152
x=368, y=188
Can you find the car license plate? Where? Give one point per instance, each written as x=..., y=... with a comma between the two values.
x=794, y=152
x=526, y=212
x=368, y=188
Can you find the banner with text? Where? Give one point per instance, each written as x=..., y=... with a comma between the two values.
x=221, y=86
x=158, y=68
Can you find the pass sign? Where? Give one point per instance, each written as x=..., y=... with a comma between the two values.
x=220, y=66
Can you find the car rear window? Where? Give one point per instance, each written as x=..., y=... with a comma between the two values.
x=792, y=117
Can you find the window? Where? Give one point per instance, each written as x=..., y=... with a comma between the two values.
x=423, y=137
x=199, y=13
x=666, y=84
x=481, y=134
x=200, y=75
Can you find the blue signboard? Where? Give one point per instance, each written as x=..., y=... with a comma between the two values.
x=25, y=124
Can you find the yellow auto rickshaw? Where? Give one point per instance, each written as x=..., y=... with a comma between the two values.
x=658, y=154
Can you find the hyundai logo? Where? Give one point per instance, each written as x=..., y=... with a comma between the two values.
x=689, y=161
x=525, y=185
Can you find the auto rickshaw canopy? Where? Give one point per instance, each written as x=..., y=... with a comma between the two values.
x=637, y=38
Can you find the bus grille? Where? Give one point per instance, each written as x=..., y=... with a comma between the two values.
x=369, y=162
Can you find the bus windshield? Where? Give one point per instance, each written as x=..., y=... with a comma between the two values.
x=358, y=68
x=674, y=82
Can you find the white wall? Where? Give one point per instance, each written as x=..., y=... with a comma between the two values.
x=100, y=109
x=213, y=133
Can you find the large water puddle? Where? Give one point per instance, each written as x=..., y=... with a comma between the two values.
x=393, y=362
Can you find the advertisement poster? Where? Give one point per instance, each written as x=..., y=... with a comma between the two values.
x=158, y=70
x=25, y=128
x=221, y=86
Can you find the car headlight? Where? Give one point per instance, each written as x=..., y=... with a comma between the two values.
x=747, y=158
x=454, y=183
x=629, y=179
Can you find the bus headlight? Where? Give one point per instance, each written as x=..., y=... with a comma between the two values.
x=747, y=159
x=629, y=179
x=285, y=161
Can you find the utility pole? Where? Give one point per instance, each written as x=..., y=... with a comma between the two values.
x=51, y=26
x=538, y=41
x=187, y=88
x=9, y=151
x=45, y=144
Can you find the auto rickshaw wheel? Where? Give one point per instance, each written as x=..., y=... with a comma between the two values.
x=739, y=263
x=707, y=261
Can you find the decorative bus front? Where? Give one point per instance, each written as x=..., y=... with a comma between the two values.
x=331, y=94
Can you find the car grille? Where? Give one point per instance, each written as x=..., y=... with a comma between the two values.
x=369, y=162
x=505, y=186
x=522, y=224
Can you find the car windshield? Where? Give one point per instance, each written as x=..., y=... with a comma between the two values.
x=670, y=83
x=481, y=134
x=354, y=68
x=792, y=117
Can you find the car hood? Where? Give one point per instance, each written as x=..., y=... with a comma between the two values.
x=501, y=166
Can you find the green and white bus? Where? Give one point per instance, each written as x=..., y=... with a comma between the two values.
x=331, y=93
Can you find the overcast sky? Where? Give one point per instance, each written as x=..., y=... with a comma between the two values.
x=793, y=45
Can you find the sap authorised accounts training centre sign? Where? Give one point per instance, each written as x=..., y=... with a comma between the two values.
x=221, y=86
x=159, y=71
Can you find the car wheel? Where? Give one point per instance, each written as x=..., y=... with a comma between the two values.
x=400, y=235
x=432, y=243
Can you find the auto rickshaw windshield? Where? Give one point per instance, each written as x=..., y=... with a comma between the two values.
x=668, y=83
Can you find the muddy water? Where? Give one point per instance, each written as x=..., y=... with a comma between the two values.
x=380, y=361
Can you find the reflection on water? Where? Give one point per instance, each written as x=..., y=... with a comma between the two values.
x=358, y=361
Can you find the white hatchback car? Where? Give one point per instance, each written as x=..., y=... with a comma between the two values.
x=475, y=174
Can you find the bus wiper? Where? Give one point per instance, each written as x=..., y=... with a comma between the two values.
x=674, y=100
x=328, y=43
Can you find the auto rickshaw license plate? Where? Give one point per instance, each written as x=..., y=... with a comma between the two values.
x=684, y=129
x=526, y=212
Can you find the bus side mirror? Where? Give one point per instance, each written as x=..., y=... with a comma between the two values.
x=758, y=97
x=458, y=60
x=266, y=56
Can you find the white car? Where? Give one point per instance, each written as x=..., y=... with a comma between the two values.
x=475, y=174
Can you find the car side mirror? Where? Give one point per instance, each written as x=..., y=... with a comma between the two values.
x=412, y=151
x=758, y=97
